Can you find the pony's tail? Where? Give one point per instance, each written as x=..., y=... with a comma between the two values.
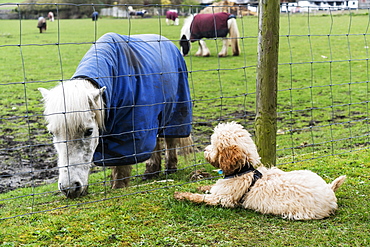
x=337, y=183
x=234, y=35
x=186, y=145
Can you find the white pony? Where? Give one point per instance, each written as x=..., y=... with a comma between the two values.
x=51, y=16
x=133, y=12
x=76, y=134
x=89, y=127
x=217, y=25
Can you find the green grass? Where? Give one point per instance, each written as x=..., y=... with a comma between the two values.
x=323, y=110
x=155, y=218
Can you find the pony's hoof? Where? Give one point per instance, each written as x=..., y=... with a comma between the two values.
x=119, y=184
x=149, y=176
x=170, y=171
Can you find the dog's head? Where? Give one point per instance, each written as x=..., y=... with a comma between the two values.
x=231, y=148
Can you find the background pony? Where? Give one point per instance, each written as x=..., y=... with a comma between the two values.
x=41, y=24
x=172, y=17
x=126, y=92
x=133, y=12
x=217, y=25
x=51, y=16
x=94, y=16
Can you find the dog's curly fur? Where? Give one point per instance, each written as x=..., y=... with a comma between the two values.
x=295, y=195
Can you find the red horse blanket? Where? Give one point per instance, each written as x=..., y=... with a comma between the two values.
x=209, y=26
x=171, y=15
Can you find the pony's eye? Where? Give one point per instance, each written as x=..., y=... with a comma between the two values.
x=88, y=132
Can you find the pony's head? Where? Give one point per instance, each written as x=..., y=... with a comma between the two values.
x=185, y=44
x=74, y=113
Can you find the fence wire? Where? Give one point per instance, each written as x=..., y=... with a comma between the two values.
x=323, y=106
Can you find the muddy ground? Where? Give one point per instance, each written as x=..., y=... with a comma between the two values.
x=25, y=164
x=34, y=163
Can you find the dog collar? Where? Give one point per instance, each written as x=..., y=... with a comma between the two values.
x=246, y=169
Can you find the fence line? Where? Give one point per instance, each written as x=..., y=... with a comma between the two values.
x=323, y=88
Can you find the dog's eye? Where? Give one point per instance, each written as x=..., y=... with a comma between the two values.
x=88, y=132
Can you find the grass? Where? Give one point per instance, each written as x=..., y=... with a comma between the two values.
x=323, y=111
x=155, y=218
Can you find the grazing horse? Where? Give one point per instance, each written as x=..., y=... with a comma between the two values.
x=133, y=12
x=51, y=16
x=127, y=92
x=95, y=16
x=41, y=24
x=217, y=25
x=172, y=16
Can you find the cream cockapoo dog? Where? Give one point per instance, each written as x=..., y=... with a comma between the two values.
x=295, y=195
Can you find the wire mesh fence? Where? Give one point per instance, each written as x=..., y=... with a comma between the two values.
x=322, y=92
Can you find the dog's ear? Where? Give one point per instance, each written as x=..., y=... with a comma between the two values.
x=230, y=159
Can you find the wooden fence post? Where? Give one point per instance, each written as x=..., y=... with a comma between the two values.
x=267, y=71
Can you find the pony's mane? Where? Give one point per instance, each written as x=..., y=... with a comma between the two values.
x=68, y=105
x=185, y=30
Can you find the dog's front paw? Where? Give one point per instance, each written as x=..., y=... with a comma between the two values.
x=181, y=195
x=205, y=188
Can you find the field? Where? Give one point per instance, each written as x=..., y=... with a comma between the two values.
x=322, y=121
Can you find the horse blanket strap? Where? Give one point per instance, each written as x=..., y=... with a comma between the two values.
x=147, y=94
x=209, y=26
x=171, y=15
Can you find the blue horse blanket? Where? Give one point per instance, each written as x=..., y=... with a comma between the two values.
x=147, y=94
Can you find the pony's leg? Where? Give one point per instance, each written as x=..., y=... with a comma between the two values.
x=234, y=35
x=171, y=154
x=199, y=52
x=223, y=52
x=120, y=176
x=205, y=50
x=167, y=22
x=176, y=22
x=153, y=165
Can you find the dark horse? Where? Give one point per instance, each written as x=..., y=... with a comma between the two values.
x=95, y=16
x=41, y=24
